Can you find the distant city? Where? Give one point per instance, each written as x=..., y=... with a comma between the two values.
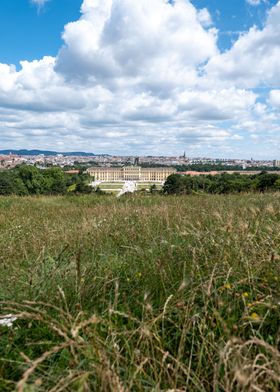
x=42, y=159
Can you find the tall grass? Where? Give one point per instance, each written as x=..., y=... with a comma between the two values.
x=140, y=293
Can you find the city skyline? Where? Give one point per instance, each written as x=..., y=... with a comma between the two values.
x=69, y=153
x=154, y=77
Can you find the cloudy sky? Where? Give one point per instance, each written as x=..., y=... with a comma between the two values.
x=141, y=76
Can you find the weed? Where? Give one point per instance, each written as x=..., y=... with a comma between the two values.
x=142, y=293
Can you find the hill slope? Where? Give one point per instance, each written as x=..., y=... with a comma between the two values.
x=140, y=293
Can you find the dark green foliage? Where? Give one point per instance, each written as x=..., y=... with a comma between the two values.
x=34, y=180
x=224, y=183
x=82, y=187
x=208, y=167
x=29, y=180
x=55, y=181
x=10, y=183
x=174, y=184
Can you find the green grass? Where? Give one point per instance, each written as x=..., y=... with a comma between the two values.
x=105, y=186
x=141, y=293
x=148, y=186
x=118, y=186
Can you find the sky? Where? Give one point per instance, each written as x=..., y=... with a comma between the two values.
x=145, y=77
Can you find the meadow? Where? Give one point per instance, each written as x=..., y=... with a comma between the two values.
x=114, y=188
x=141, y=293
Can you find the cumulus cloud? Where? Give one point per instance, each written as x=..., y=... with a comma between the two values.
x=254, y=59
x=204, y=17
x=143, y=77
x=154, y=41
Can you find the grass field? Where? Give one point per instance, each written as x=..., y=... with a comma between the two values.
x=110, y=187
x=114, y=187
x=106, y=185
x=141, y=293
x=148, y=186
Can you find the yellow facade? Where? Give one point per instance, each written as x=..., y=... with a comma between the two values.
x=130, y=173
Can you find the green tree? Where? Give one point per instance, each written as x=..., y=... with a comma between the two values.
x=84, y=188
x=173, y=184
x=55, y=181
x=32, y=178
x=266, y=181
x=11, y=184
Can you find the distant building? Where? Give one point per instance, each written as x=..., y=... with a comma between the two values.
x=8, y=161
x=72, y=171
x=130, y=173
x=276, y=163
x=214, y=173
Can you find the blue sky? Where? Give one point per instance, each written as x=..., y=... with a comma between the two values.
x=27, y=33
x=234, y=16
x=141, y=77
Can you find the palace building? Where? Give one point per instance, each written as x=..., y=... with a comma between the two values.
x=130, y=173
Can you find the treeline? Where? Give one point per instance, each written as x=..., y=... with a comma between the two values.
x=221, y=183
x=221, y=167
x=29, y=180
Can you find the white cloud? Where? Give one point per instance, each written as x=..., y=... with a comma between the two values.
x=214, y=105
x=274, y=98
x=254, y=3
x=254, y=59
x=204, y=17
x=143, y=77
x=39, y=3
x=152, y=40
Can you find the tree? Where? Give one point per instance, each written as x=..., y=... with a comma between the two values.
x=173, y=184
x=32, y=178
x=55, y=181
x=266, y=181
x=81, y=187
x=10, y=184
x=6, y=184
